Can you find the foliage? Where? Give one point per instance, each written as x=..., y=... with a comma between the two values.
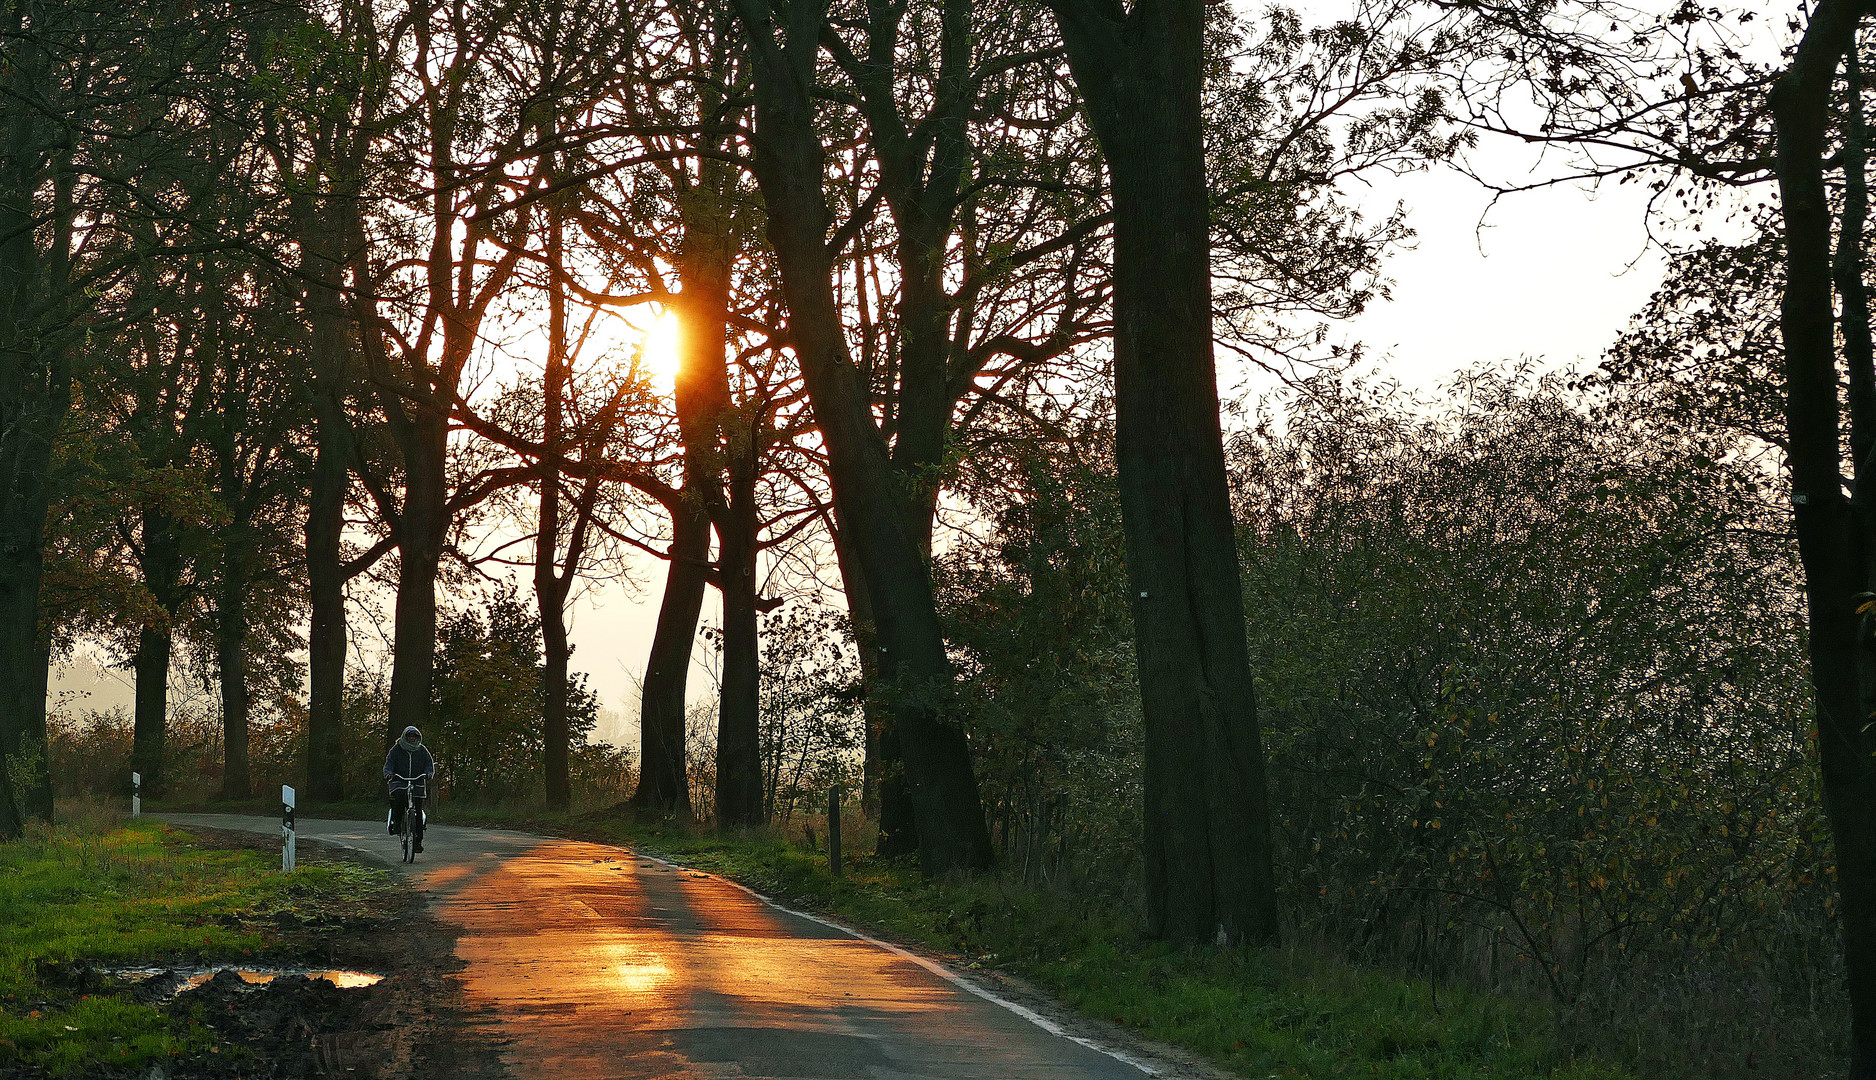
x=91, y=751
x=1531, y=675
x=1039, y=621
x=488, y=704
x=1706, y=347
x=811, y=729
x=1552, y=726
x=1291, y=112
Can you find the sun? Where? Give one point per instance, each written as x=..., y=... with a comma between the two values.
x=660, y=349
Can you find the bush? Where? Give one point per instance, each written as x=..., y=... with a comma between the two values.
x=1039, y=624
x=1536, y=698
x=1531, y=675
x=90, y=753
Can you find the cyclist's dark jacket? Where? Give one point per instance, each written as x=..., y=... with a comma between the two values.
x=406, y=761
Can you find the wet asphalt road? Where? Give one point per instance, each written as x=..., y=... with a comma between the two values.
x=592, y=963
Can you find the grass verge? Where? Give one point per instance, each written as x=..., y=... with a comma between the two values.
x=100, y=888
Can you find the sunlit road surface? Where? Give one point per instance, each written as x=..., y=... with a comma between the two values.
x=591, y=962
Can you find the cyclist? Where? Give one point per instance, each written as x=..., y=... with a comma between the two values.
x=409, y=757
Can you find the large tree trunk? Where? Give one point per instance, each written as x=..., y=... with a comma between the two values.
x=35, y=395
x=739, y=737
x=663, y=777
x=422, y=527
x=231, y=660
x=325, y=573
x=150, y=665
x=550, y=595
x=871, y=503
x=36, y=797
x=1834, y=549
x=325, y=525
x=701, y=395
x=557, y=751
x=923, y=414
x=1207, y=843
x=920, y=175
x=1848, y=271
x=23, y=656
x=162, y=571
x=884, y=795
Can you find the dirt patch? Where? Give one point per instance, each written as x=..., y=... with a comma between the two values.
x=412, y=1025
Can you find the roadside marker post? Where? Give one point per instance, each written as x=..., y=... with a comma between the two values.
x=136, y=794
x=286, y=828
x=833, y=830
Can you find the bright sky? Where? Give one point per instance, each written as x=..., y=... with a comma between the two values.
x=1553, y=276
x=1550, y=278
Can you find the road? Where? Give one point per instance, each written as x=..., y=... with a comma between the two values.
x=594, y=963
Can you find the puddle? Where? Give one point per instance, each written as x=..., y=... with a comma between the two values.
x=185, y=979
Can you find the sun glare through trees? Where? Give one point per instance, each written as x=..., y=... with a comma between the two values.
x=920, y=458
x=661, y=348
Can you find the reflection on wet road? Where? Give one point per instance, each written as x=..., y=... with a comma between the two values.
x=593, y=963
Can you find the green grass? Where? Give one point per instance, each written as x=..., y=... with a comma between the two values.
x=118, y=892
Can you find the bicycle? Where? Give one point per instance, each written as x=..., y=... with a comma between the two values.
x=405, y=827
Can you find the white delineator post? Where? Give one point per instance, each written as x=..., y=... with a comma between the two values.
x=136, y=794
x=286, y=828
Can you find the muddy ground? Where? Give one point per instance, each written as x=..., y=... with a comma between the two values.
x=411, y=1026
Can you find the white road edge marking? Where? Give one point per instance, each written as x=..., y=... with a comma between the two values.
x=932, y=966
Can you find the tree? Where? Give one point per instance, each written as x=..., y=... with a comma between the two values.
x=1038, y=615
x=253, y=455
x=322, y=100
x=562, y=49
x=1835, y=532
x=810, y=726
x=872, y=507
x=489, y=703
x=75, y=76
x=979, y=277
x=35, y=383
x=1208, y=861
x=692, y=178
x=426, y=272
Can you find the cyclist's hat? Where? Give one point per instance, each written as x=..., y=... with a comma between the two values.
x=412, y=733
